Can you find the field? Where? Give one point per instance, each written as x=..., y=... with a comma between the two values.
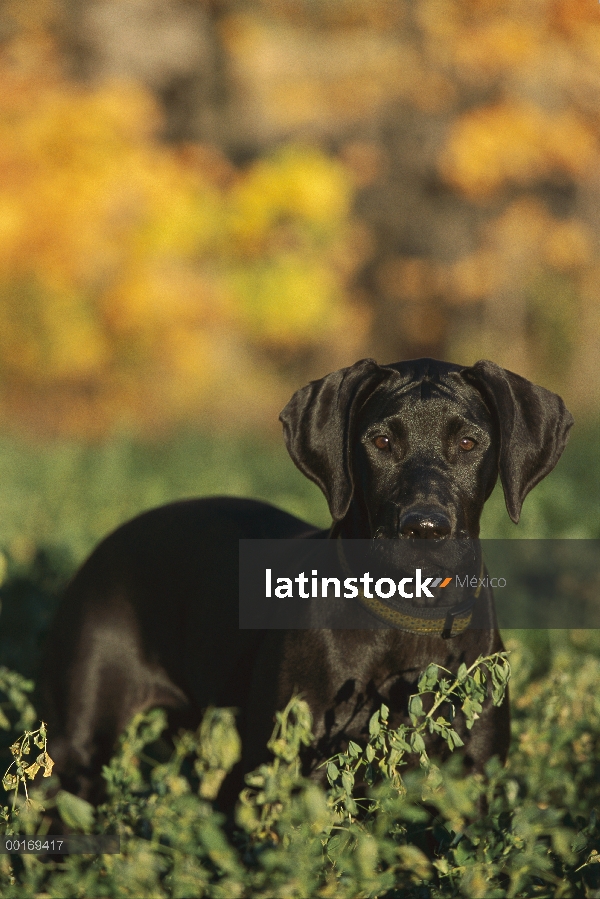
x=539, y=834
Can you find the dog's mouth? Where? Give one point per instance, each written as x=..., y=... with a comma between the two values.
x=448, y=561
x=444, y=550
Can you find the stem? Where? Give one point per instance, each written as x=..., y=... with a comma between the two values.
x=456, y=684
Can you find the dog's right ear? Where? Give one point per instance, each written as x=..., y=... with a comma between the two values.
x=318, y=424
x=533, y=424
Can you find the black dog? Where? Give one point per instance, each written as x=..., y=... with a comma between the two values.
x=410, y=450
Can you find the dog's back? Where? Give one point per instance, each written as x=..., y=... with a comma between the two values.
x=151, y=619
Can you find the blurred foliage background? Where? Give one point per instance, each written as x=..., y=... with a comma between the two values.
x=206, y=203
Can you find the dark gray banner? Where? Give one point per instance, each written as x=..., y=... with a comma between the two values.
x=63, y=844
x=422, y=586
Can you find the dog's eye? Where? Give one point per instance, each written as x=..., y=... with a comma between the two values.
x=382, y=442
x=466, y=444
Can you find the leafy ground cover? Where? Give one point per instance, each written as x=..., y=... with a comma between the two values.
x=530, y=829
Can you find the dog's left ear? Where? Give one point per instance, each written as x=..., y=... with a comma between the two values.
x=318, y=424
x=533, y=425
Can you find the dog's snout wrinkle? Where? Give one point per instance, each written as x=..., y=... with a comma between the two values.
x=424, y=525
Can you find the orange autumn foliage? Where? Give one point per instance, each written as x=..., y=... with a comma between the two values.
x=135, y=277
x=492, y=146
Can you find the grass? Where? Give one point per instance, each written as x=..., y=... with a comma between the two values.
x=67, y=495
x=70, y=495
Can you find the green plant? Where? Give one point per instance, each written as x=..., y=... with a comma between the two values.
x=410, y=832
x=387, y=749
x=16, y=688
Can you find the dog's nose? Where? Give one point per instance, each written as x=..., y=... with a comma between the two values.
x=424, y=525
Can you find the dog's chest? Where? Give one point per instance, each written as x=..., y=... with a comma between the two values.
x=352, y=673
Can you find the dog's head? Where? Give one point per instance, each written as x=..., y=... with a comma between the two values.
x=414, y=449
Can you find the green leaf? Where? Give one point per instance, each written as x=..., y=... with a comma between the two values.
x=434, y=777
x=454, y=737
x=394, y=757
x=75, y=812
x=417, y=743
x=374, y=725
x=255, y=780
x=432, y=674
x=333, y=772
x=463, y=853
x=398, y=742
x=415, y=707
x=444, y=685
x=347, y=781
x=366, y=855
